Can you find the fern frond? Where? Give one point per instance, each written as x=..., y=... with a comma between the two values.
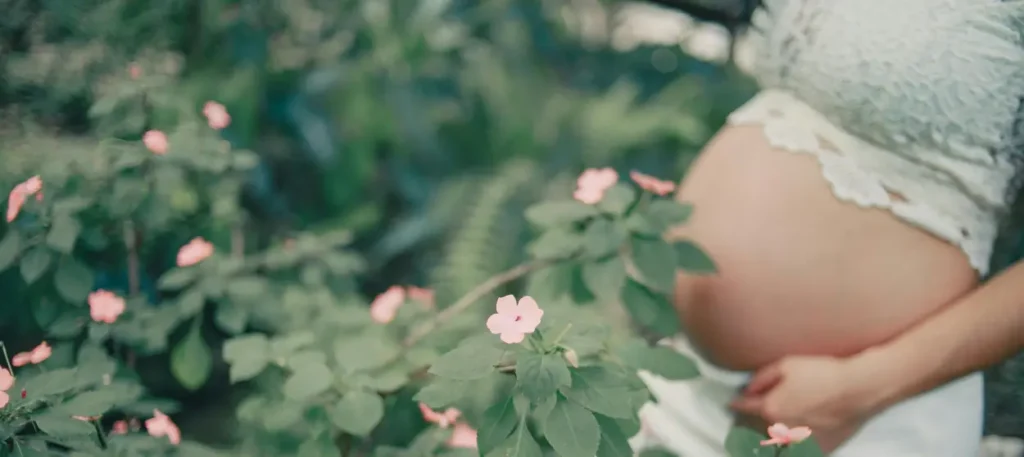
x=487, y=238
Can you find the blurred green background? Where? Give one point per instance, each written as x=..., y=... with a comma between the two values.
x=424, y=127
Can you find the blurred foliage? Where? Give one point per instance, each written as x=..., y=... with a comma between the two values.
x=424, y=128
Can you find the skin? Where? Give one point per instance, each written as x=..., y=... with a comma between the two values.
x=819, y=297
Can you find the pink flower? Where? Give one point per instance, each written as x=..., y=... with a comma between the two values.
x=514, y=320
x=16, y=199
x=104, y=306
x=155, y=141
x=419, y=294
x=134, y=70
x=442, y=419
x=592, y=184
x=6, y=379
x=216, y=115
x=37, y=355
x=120, y=428
x=384, y=308
x=6, y=382
x=194, y=252
x=782, y=435
x=652, y=184
x=161, y=425
x=463, y=436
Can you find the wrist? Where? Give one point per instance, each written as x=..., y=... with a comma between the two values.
x=882, y=376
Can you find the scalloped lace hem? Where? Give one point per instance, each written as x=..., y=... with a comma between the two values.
x=921, y=189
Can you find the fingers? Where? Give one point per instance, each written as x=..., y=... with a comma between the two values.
x=764, y=380
x=748, y=405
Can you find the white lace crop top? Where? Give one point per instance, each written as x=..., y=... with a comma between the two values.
x=914, y=106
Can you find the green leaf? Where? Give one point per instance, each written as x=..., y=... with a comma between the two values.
x=498, y=422
x=660, y=360
x=231, y=317
x=248, y=355
x=365, y=352
x=571, y=430
x=617, y=199
x=552, y=283
x=92, y=403
x=357, y=412
x=442, y=392
x=45, y=312
x=563, y=212
x=601, y=391
x=614, y=443
x=540, y=375
x=63, y=233
x=659, y=452
x=666, y=214
x=308, y=380
x=519, y=444
x=691, y=259
x=655, y=262
x=556, y=244
x=285, y=345
x=247, y=289
x=191, y=302
x=73, y=281
x=55, y=382
x=60, y=426
x=94, y=364
x=808, y=448
x=605, y=278
x=649, y=309
x=35, y=263
x=300, y=358
x=191, y=361
x=744, y=442
x=177, y=278
x=67, y=325
x=467, y=362
x=10, y=247
x=603, y=237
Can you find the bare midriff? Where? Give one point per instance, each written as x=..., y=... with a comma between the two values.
x=799, y=271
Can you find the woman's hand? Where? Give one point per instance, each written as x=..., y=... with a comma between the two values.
x=833, y=396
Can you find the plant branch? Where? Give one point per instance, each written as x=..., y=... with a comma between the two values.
x=238, y=240
x=133, y=258
x=478, y=292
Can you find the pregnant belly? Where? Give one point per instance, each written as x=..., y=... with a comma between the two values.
x=800, y=272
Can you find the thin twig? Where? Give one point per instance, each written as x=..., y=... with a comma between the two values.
x=238, y=240
x=478, y=292
x=133, y=258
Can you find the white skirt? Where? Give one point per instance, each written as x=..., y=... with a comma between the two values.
x=691, y=418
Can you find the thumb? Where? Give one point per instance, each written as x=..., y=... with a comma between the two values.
x=748, y=405
x=764, y=380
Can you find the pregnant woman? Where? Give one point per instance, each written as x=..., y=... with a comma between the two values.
x=852, y=207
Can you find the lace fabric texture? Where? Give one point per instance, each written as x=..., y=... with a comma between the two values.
x=911, y=106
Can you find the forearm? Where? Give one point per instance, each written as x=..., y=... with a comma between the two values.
x=980, y=330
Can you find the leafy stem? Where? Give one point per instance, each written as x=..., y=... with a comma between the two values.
x=475, y=294
x=558, y=339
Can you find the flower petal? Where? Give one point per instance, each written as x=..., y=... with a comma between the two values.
x=798, y=434
x=499, y=323
x=507, y=305
x=513, y=337
x=6, y=379
x=778, y=430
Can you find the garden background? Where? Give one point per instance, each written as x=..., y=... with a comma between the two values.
x=414, y=132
